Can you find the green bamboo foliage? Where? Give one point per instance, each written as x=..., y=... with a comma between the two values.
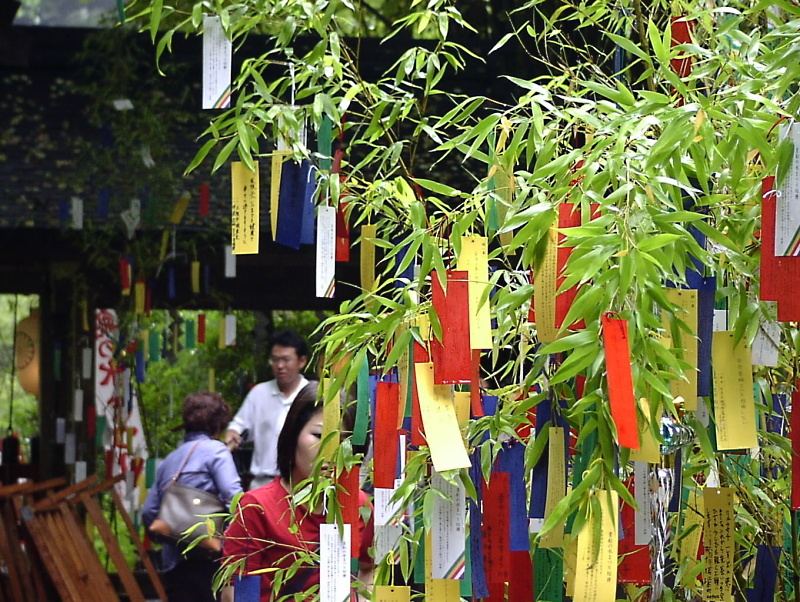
x=659, y=154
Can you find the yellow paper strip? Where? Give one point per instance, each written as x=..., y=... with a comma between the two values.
x=392, y=593
x=164, y=244
x=195, y=277
x=570, y=564
x=144, y=341
x=278, y=158
x=180, y=208
x=718, y=541
x=649, y=450
x=441, y=425
x=597, y=564
x=544, y=289
x=368, y=258
x=692, y=528
x=474, y=258
x=556, y=485
x=139, y=296
x=246, y=209
x=331, y=415
x=687, y=301
x=461, y=401
x=504, y=188
x=444, y=590
x=221, y=340
x=212, y=380
x=734, y=406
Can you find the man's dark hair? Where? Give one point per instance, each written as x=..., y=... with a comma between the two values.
x=304, y=406
x=205, y=412
x=289, y=338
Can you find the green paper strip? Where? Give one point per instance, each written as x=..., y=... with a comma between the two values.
x=548, y=568
x=99, y=431
x=191, y=334
x=362, y=404
x=149, y=472
x=325, y=144
x=155, y=346
x=466, y=581
x=419, y=557
x=121, y=10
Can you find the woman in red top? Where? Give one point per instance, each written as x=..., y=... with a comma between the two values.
x=269, y=532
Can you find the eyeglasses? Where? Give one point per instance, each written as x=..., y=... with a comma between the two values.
x=279, y=361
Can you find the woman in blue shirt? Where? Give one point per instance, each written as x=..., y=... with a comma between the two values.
x=210, y=467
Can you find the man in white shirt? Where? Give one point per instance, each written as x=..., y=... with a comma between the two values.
x=266, y=405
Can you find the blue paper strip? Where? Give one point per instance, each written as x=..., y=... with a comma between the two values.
x=291, y=203
x=705, y=331
x=511, y=459
x=407, y=275
x=140, y=365
x=247, y=588
x=103, y=199
x=206, y=278
x=479, y=587
x=765, y=575
x=309, y=188
x=675, y=500
x=171, y=282
x=694, y=274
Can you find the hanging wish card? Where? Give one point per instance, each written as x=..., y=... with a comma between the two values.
x=334, y=552
x=326, y=252
x=686, y=300
x=217, y=54
x=392, y=593
x=367, y=263
x=544, y=289
x=448, y=530
x=556, y=485
x=718, y=540
x=734, y=405
x=441, y=425
x=245, y=190
x=596, y=568
x=620, y=379
x=452, y=358
x=787, y=217
x=474, y=260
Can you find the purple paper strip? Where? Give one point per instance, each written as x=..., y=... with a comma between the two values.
x=705, y=330
x=246, y=588
x=544, y=415
x=309, y=188
x=479, y=587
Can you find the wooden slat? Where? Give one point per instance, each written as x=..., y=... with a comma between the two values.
x=51, y=501
x=18, y=583
x=35, y=563
x=40, y=533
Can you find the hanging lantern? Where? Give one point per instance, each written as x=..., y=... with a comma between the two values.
x=26, y=352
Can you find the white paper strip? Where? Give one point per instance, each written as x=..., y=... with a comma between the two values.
x=787, y=214
x=77, y=405
x=86, y=364
x=643, y=521
x=217, y=54
x=80, y=471
x=326, y=251
x=69, y=449
x=76, y=212
x=764, y=351
x=720, y=321
x=230, y=262
x=334, y=553
x=387, y=539
x=448, y=533
x=61, y=429
x=386, y=511
x=230, y=330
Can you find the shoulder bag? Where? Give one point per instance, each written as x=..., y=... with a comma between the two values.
x=188, y=514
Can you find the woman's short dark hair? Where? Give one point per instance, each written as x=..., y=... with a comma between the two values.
x=304, y=406
x=205, y=412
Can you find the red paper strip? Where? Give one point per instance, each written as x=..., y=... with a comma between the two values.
x=634, y=566
x=620, y=379
x=569, y=216
x=205, y=197
x=520, y=586
x=342, y=233
x=794, y=425
x=201, y=328
x=475, y=385
x=421, y=355
x=91, y=421
x=769, y=263
x=347, y=494
x=125, y=275
x=452, y=355
x=681, y=34
x=109, y=463
x=496, y=534
x=336, y=165
x=148, y=300
x=531, y=309
x=497, y=592
x=387, y=411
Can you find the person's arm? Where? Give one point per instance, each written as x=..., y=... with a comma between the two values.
x=223, y=471
x=152, y=502
x=240, y=423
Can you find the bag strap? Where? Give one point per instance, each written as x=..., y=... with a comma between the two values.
x=183, y=465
